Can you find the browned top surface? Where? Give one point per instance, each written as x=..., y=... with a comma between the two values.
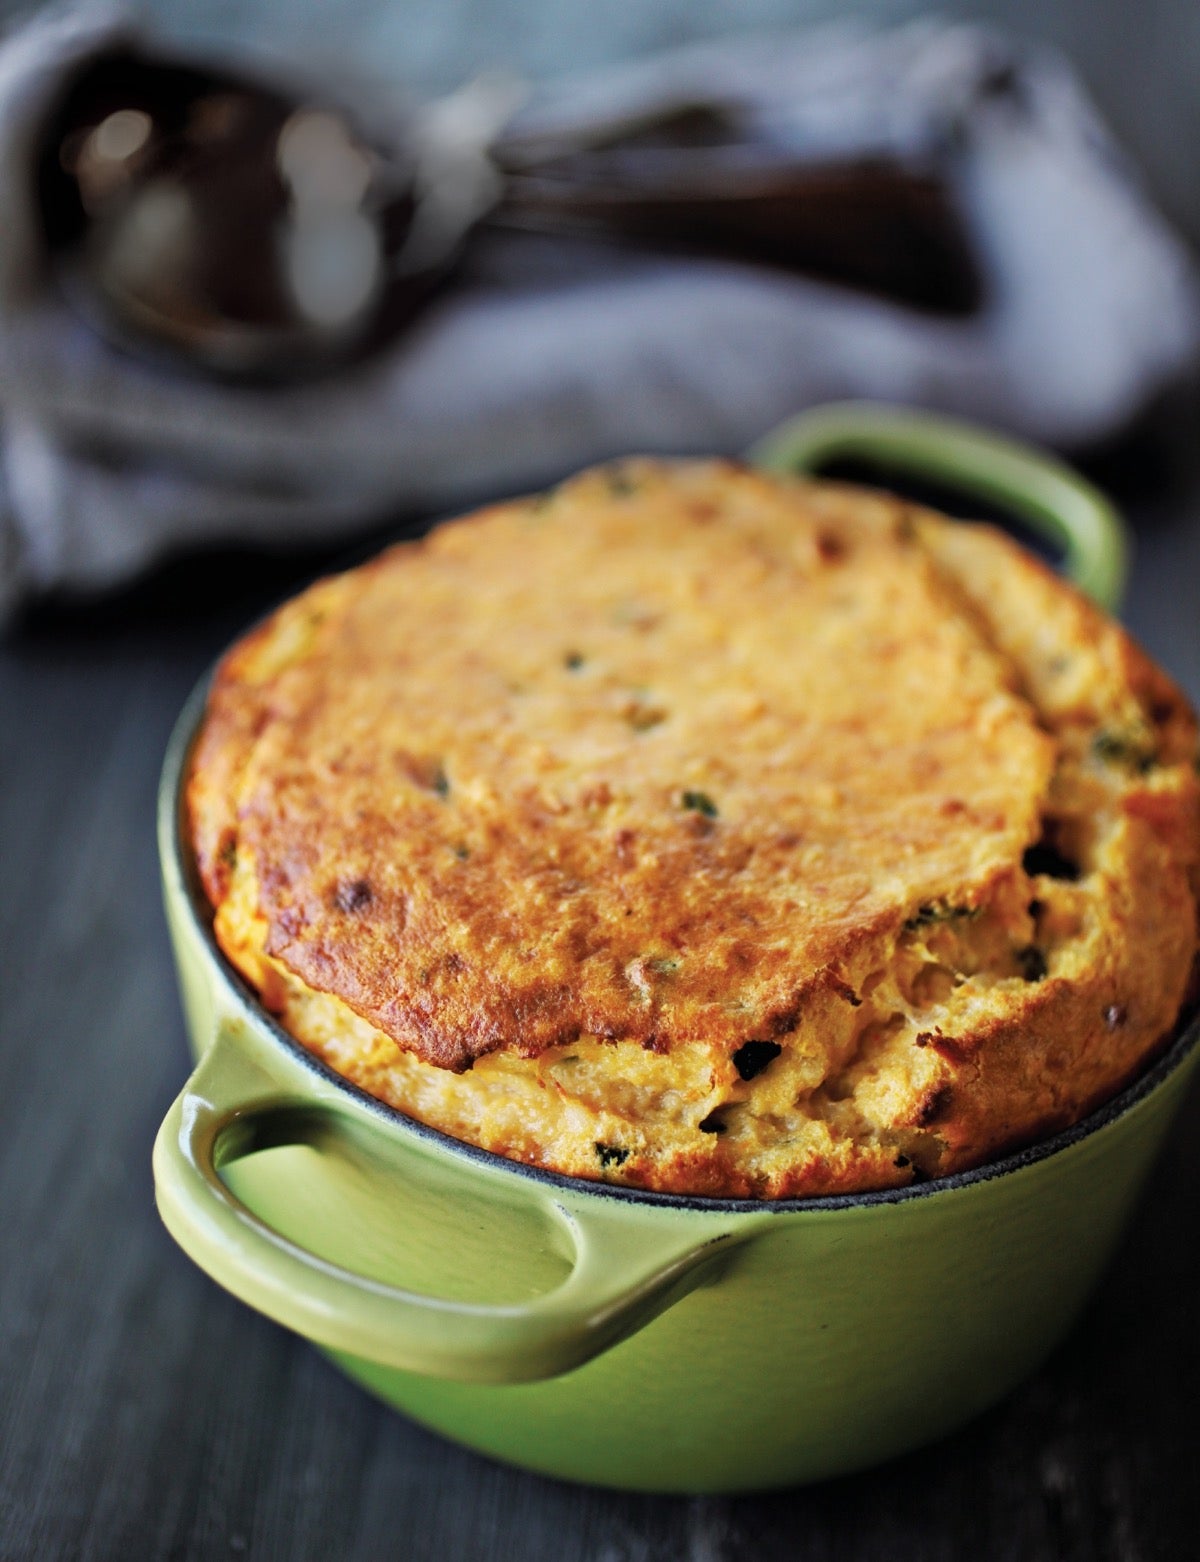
x=643, y=759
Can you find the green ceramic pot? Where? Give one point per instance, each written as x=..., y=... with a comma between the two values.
x=632, y=1339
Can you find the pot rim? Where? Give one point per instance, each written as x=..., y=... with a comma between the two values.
x=177, y=858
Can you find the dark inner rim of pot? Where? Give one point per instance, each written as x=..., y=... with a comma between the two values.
x=1185, y=1036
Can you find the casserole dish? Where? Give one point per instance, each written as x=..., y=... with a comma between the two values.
x=606, y=1334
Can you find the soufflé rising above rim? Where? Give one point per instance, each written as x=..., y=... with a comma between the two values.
x=708, y=832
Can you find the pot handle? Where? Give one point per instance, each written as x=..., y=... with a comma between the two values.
x=1054, y=501
x=626, y=1267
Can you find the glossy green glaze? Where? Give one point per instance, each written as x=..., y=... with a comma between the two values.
x=1053, y=501
x=608, y=1336
x=833, y=1338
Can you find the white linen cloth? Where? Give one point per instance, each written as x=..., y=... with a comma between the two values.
x=548, y=353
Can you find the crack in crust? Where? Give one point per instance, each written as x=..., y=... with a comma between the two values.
x=911, y=820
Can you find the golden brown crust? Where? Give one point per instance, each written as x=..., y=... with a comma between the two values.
x=737, y=835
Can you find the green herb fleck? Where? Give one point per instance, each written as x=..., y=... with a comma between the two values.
x=642, y=717
x=573, y=661
x=1132, y=748
x=939, y=911
x=699, y=803
x=461, y=852
x=611, y=1154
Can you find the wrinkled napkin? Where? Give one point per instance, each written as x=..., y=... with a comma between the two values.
x=547, y=353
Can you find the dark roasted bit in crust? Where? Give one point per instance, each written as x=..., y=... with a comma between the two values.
x=708, y=832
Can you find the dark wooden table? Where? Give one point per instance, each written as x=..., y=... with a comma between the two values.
x=145, y=1414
